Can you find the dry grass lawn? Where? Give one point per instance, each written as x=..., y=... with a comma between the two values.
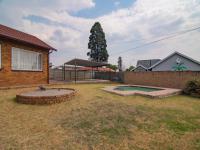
x=95, y=119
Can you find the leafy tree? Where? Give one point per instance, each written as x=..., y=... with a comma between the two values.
x=113, y=67
x=120, y=63
x=130, y=68
x=97, y=44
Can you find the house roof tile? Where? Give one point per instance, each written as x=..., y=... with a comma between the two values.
x=12, y=34
x=147, y=63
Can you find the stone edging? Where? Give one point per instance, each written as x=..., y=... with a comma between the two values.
x=45, y=100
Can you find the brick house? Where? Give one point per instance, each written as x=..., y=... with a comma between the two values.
x=24, y=59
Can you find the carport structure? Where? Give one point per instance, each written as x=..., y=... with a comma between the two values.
x=83, y=63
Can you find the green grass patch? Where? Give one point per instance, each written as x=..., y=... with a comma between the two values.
x=175, y=120
x=178, y=121
x=181, y=127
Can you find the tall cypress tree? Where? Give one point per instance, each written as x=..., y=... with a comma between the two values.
x=97, y=44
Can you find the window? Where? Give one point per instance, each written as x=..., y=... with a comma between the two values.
x=0, y=55
x=26, y=60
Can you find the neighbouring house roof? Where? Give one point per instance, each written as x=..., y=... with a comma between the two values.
x=139, y=66
x=12, y=34
x=147, y=63
x=166, y=58
x=85, y=63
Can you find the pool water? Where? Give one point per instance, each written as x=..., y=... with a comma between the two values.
x=136, y=88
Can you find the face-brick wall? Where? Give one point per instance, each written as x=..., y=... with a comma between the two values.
x=9, y=77
x=170, y=79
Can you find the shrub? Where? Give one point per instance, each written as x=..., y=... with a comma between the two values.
x=192, y=88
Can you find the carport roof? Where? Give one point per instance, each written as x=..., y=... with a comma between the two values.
x=85, y=63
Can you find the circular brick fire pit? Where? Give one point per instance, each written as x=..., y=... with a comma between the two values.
x=46, y=96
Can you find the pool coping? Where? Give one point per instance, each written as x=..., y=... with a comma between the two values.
x=164, y=92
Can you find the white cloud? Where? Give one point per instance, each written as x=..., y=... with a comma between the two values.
x=117, y=3
x=143, y=20
x=69, y=5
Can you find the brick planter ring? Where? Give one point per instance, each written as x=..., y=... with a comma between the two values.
x=49, y=96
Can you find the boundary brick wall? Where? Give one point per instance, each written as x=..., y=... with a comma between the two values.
x=9, y=77
x=167, y=79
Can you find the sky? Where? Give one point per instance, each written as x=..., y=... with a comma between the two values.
x=65, y=25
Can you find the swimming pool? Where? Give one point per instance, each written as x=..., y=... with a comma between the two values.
x=148, y=91
x=136, y=88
